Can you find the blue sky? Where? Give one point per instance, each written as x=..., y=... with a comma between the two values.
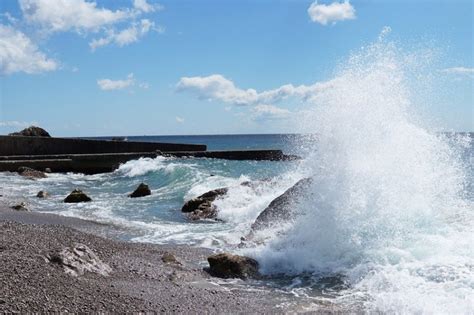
x=136, y=67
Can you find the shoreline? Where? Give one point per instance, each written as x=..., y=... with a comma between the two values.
x=142, y=279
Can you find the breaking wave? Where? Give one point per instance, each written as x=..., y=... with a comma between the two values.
x=388, y=212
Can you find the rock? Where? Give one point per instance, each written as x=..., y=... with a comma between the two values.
x=201, y=207
x=281, y=208
x=47, y=170
x=226, y=265
x=20, y=207
x=141, y=191
x=32, y=131
x=77, y=196
x=42, y=194
x=78, y=259
x=31, y=173
x=169, y=258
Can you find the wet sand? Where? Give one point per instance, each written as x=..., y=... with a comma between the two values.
x=140, y=280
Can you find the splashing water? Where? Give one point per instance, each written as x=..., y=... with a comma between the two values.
x=388, y=212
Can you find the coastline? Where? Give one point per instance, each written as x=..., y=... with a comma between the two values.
x=141, y=279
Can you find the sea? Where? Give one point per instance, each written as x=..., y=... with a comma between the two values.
x=386, y=226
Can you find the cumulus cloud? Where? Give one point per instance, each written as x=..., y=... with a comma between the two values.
x=65, y=15
x=126, y=36
x=269, y=112
x=19, y=54
x=144, y=6
x=110, y=85
x=217, y=87
x=327, y=13
x=179, y=120
x=459, y=71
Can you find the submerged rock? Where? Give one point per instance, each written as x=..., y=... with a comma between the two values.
x=77, y=196
x=141, y=191
x=42, y=194
x=20, y=207
x=201, y=207
x=31, y=173
x=32, y=131
x=226, y=265
x=78, y=259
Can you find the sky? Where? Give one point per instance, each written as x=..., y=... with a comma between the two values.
x=146, y=67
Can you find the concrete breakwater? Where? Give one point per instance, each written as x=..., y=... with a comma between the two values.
x=101, y=156
x=19, y=145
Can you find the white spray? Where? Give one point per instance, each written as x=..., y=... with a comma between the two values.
x=388, y=211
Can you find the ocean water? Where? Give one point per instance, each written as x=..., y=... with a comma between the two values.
x=386, y=226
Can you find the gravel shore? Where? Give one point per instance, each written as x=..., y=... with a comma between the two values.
x=143, y=278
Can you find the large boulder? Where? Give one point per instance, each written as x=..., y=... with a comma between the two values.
x=281, y=209
x=32, y=131
x=31, y=173
x=141, y=191
x=78, y=259
x=202, y=207
x=226, y=265
x=77, y=196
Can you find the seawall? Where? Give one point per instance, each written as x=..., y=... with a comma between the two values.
x=19, y=145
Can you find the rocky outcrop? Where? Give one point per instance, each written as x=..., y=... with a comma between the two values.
x=30, y=173
x=42, y=194
x=226, y=265
x=20, y=207
x=77, y=196
x=281, y=209
x=32, y=131
x=141, y=191
x=202, y=206
x=79, y=259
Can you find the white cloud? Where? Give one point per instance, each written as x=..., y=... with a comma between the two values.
x=217, y=87
x=144, y=6
x=269, y=112
x=336, y=11
x=179, y=120
x=126, y=36
x=108, y=85
x=459, y=71
x=18, y=124
x=65, y=15
x=19, y=54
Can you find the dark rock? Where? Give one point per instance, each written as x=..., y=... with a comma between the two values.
x=42, y=194
x=78, y=259
x=201, y=207
x=226, y=265
x=77, y=196
x=141, y=191
x=281, y=208
x=31, y=173
x=32, y=131
x=20, y=207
